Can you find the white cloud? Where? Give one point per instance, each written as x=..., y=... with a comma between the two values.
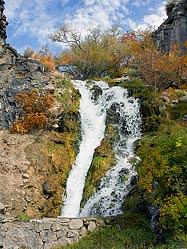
x=158, y=17
x=152, y=20
x=89, y=2
x=11, y=8
x=105, y=13
x=31, y=17
x=38, y=18
x=140, y=3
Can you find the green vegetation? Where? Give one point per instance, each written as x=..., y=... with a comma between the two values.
x=132, y=231
x=162, y=174
x=53, y=153
x=95, y=55
x=23, y=217
x=159, y=80
x=67, y=95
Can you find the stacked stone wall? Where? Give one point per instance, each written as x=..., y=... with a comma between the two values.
x=46, y=233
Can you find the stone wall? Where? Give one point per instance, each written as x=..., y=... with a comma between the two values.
x=46, y=233
x=174, y=29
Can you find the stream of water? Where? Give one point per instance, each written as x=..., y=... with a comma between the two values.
x=97, y=99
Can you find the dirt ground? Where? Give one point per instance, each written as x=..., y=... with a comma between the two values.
x=14, y=172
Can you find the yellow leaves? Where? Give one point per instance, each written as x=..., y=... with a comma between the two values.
x=46, y=60
x=178, y=143
x=149, y=190
x=97, y=53
x=173, y=212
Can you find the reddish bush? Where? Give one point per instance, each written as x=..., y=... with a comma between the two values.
x=36, y=112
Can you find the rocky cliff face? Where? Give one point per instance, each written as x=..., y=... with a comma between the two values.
x=3, y=24
x=174, y=29
x=17, y=74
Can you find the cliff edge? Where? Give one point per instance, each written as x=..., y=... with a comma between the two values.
x=174, y=29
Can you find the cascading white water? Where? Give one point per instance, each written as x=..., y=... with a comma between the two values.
x=108, y=199
x=92, y=131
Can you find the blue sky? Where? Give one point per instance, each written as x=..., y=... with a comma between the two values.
x=32, y=21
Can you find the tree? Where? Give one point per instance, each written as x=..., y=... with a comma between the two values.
x=44, y=56
x=28, y=52
x=157, y=68
x=97, y=54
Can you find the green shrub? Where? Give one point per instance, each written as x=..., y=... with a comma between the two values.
x=173, y=213
x=162, y=174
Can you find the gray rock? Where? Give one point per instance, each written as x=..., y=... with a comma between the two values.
x=2, y=208
x=92, y=226
x=73, y=234
x=75, y=224
x=46, y=232
x=83, y=231
x=48, y=236
x=17, y=74
x=62, y=233
x=173, y=29
x=185, y=117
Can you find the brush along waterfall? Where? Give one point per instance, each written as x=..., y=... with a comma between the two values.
x=108, y=199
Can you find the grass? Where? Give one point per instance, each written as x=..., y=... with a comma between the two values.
x=132, y=232
x=23, y=217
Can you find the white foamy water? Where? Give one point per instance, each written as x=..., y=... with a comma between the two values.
x=92, y=132
x=108, y=199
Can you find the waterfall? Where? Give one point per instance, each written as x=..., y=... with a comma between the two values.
x=107, y=200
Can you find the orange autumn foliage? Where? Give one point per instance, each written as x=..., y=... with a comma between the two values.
x=46, y=60
x=66, y=58
x=45, y=57
x=157, y=68
x=36, y=112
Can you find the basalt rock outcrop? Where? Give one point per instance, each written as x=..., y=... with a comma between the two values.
x=3, y=23
x=17, y=74
x=174, y=29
